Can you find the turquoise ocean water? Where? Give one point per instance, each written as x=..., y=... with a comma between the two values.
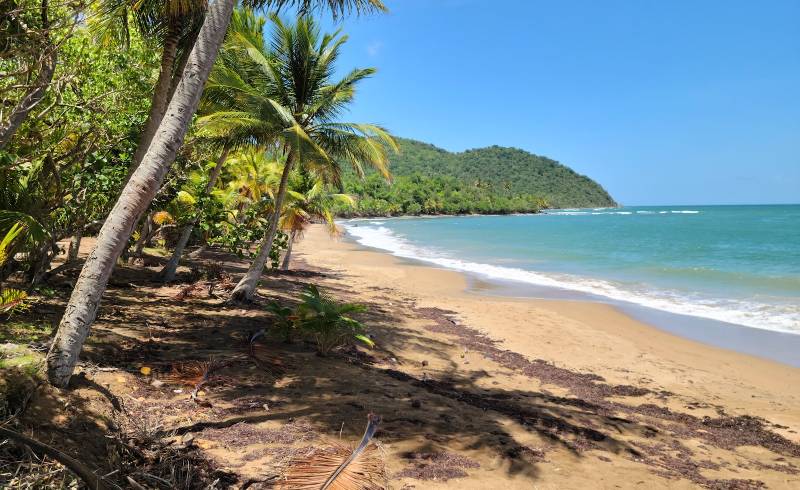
x=734, y=264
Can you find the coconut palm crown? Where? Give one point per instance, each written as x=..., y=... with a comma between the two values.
x=282, y=91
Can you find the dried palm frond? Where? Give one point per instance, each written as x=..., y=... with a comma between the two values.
x=188, y=291
x=265, y=358
x=338, y=467
x=40, y=449
x=194, y=373
x=226, y=283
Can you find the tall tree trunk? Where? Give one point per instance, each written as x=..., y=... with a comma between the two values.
x=246, y=287
x=144, y=235
x=42, y=265
x=136, y=196
x=161, y=94
x=188, y=42
x=288, y=257
x=168, y=272
x=75, y=241
x=37, y=91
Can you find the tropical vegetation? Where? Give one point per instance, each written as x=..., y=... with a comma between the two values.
x=162, y=126
x=329, y=322
x=495, y=180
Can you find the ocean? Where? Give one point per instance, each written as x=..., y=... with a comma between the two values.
x=735, y=265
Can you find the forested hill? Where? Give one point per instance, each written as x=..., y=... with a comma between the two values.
x=430, y=180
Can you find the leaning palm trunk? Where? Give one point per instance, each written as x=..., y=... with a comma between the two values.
x=39, y=88
x=288, y=257
x=136, y=196
x=246, y=288
x=158, y=105
x=168, y=272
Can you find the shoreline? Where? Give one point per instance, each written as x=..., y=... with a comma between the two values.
x=763, y=344
x=745, y=325
x=767, y=344
x=579, y=335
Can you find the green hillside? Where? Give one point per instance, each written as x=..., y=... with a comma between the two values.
x=430, y=180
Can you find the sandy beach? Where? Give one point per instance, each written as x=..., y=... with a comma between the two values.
x=475, y=391
x=581, y=337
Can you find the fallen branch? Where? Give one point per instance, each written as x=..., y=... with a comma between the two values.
x=91, y=479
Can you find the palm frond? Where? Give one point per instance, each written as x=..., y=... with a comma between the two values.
x=34, y=229
x=12, y=300
x=9, y=237
x=357, y=144
x=339, y=467
x=266, y=359
x=337, y=8
x=194, y=374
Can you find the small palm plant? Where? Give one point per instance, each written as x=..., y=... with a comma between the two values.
x=11, y=300
x=327, y=321
x=284, y=320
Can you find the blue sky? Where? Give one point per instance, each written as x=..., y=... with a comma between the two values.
x=673, y=102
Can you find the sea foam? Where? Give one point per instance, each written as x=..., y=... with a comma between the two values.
x=782, y=318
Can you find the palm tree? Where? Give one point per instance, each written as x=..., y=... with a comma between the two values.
x=252, y=179
x=240, y=118
x=26, y=198
x=298, y=68
x=312, y=201
x=172, y=25
x=145, y=181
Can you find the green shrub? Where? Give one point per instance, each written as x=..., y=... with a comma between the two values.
x=284, y=321
x=327, y=321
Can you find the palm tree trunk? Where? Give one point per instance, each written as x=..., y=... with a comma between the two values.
x=288, y=257
x=39, y=88
x=161, y=94
x=246, y=288
x=188, y=42
x=168, y=272
x=136, y=196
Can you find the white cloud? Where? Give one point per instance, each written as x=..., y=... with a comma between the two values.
x=374, y=48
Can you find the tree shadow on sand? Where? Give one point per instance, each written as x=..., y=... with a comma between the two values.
x=427, y=409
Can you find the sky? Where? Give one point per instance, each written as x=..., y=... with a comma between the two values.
x=679, y=102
